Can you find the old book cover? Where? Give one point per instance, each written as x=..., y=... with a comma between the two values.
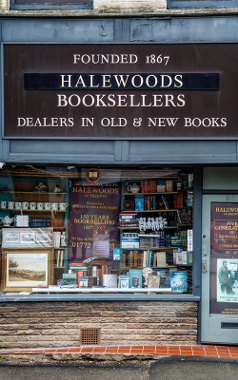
x=161, y=259
x=179, y=257
x=179, y=282
x=153, y=281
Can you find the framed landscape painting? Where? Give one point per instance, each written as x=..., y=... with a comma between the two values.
x=26, y=269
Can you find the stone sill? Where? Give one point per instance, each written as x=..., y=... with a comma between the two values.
x=99, y=297
x=109, y=13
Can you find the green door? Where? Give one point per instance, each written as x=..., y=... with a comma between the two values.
x=219, y=305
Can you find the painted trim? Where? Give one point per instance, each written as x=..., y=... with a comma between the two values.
x=67, y=6
x=181, y=4
x=97, y=297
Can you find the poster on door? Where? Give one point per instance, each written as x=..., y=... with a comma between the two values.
x=93, y=221
x=224, y=258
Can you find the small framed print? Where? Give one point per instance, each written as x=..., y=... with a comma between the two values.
x=43, y=238
x=12, y=238
x=23, y=270
x=124, y=282
x=27, y=238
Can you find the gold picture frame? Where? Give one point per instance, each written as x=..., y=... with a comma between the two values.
x=24, y=269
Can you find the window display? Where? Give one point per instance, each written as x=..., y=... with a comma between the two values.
x=96, y=229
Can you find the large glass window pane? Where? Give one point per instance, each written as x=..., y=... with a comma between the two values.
x=72, y=228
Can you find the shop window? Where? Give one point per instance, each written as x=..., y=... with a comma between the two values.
x=70, y=229
x=51, y=4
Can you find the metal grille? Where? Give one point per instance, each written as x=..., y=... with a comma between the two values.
x=90, y=336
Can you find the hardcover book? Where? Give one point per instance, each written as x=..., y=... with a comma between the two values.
x=153, y=281
x=161, y=259
x=179, y=282
x=179, y=256
x=160, y=186
x=69, y=278
x=139, y=203
x=135, y=278
x=124, y=282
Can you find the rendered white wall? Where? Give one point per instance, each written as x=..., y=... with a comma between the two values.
x=130, y=5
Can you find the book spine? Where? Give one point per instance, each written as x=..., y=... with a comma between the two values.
x=135, y=259
x=154, y=260
x=124, y=260
x=146, y=187
x=165, y=206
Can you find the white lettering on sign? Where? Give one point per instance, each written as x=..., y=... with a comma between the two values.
x=163, y=81
x=206, y=122
x=101, y=59
x=45, y=122
x=121, y=100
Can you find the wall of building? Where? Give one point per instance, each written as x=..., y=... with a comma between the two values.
x=58, y=324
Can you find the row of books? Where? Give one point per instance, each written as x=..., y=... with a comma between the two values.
x=143, y=259
x=96, y=268
x=40, y=222
x=157, y=186
x=151, y=203
x=149, y=186
x=148, y=258
x=153, y=240
x=182, y=257
x=176, y=280
x=145, y=202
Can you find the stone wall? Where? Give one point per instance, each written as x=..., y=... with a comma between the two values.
x=58, y=324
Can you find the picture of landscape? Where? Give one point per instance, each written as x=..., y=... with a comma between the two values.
x=27, y=269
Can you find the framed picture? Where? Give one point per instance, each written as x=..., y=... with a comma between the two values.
x=153, y=281
x=12, y=238
x=25, y=269
x=43, y=238
x=124, y=282
x=27, y=238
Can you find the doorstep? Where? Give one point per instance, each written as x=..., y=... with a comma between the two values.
x=199, y=350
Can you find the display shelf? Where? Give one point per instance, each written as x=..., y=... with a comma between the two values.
x=30, y=192
x=160, y=210
x=162, y=267
x=59, y=267
x=164, y=228
x=153, y=249
x=128, y=228
x=19, y=210
x=54, y=228
x=165, y=193
x=58, y=228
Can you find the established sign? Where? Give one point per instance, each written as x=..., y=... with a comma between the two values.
x=121, y=91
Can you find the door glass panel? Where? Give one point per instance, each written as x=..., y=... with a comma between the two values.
x=224, y=258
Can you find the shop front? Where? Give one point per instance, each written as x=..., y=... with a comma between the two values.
x=118, y=197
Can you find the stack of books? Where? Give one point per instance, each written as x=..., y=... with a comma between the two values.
x=130, y=240
x=128, y=220
x=22, y=221
x=39, y=222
